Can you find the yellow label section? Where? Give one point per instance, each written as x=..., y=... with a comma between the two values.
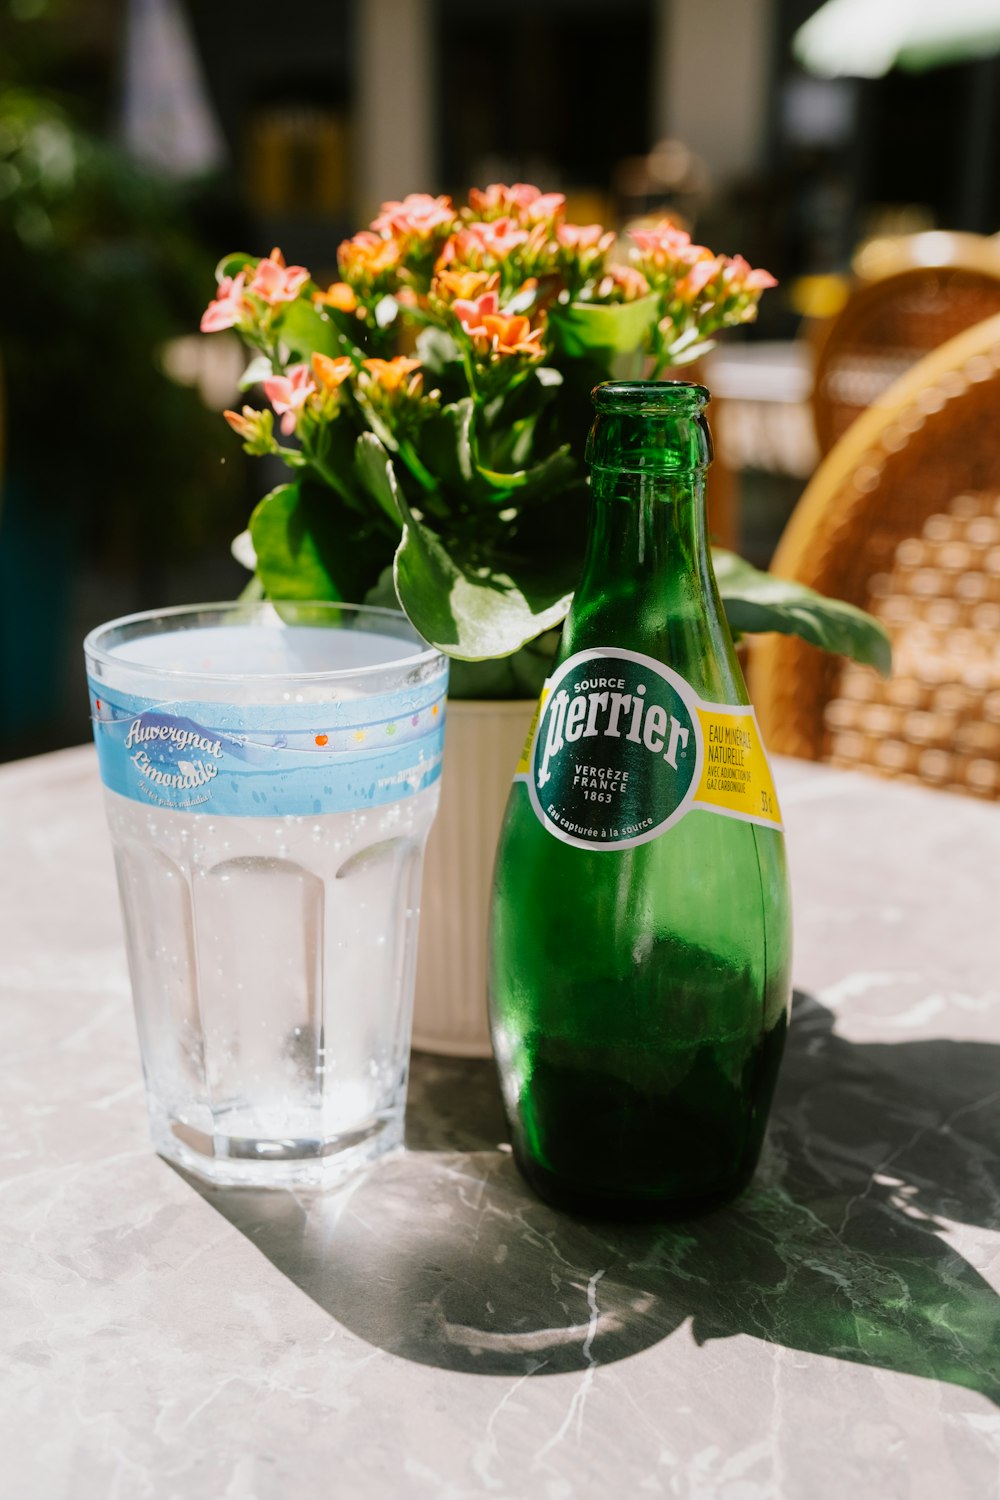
x=735, y=775
x=524, y=764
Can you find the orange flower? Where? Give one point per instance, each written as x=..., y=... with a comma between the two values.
x=464, y=286
x=493, y=331
x=332, y=373
x=393, y=377
x=366, y=257
x=512, y=335
x=470, y=312
x=339, y=296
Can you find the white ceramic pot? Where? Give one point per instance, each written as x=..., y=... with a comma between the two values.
x=483, y=742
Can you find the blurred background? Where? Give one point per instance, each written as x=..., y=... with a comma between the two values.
x=142, y=139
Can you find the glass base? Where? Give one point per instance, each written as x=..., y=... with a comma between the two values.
x=280, y=1162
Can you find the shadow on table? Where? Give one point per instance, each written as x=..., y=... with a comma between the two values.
x=442, y=1256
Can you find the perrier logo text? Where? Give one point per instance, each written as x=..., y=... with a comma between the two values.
x=598, y=708
x=616, y=751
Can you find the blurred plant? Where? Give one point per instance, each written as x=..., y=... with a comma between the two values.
x=100, y=271
x=437, y=395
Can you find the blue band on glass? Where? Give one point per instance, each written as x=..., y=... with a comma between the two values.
x=270, y=760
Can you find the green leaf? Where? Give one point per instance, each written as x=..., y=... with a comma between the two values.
x=258, y=370
x=437, y=350
x=251, y=592
x=521, y=675
x=523, y=301
x=305, y=330
x=290, y=563
x=232, y=265
x=448, y=449
x=446, y=444
x=383, y=591
x=608, y=328
x=376, y=473
x=676, y=354
x=468, y=610
x=474, y=618
x=553, y=473
x=685, y=340
x=756, y=602
x=309, y=545
x=513, y=446
x=507, y=424
x=378, y=425
x=242, y=549
x=331, y=456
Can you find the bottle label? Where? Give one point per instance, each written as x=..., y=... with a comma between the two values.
x=622, y=748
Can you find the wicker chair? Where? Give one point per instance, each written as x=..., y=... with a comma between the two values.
x=903, y=518
x=916, y=293
x=887, y=255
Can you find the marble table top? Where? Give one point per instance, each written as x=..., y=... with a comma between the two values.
x=431, y=1329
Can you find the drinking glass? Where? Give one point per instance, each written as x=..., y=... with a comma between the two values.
x=270, y=777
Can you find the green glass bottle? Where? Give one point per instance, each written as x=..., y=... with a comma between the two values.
x=640, y=927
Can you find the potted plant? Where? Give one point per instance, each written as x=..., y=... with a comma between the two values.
x=431, y=407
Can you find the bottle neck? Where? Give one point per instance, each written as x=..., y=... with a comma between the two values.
x=648, y=451
x=652, y=512
x=647, y=543
x=648, y=582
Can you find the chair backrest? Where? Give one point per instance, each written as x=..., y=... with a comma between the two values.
x=887, y=255
x=902, y=518
x=926, y=289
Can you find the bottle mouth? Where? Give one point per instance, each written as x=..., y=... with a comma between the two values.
x=652, y=397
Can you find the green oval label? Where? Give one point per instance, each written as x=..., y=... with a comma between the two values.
x=617, y=752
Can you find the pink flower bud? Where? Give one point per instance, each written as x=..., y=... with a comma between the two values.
x=289, y=393
x=418, y=215
x=274, y=282
x=228, y=307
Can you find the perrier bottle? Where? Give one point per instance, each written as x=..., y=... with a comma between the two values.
x=640, y=927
